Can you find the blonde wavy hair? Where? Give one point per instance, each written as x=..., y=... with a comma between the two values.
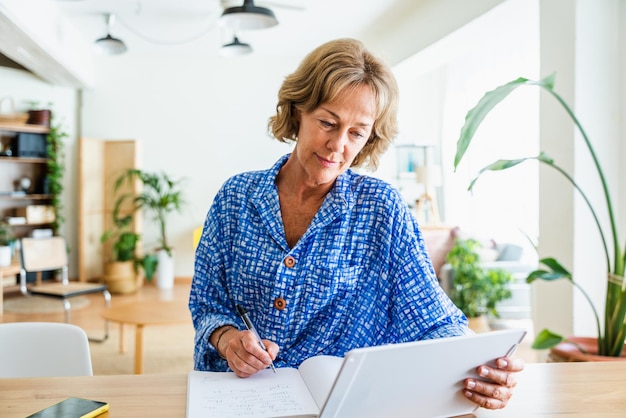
x=327, y=72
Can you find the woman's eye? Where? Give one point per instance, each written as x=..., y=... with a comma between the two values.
x=327, y=124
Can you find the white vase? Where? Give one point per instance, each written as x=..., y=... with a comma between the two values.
x=5, y=256
x=165, y=270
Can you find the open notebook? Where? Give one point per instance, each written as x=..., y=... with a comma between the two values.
x=417, y=379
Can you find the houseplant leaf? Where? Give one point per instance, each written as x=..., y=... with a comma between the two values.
x=475, y=116
x=546, y=339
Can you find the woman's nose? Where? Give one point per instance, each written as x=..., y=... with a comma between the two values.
x=337, y=141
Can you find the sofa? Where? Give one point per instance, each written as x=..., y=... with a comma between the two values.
x=512, y=257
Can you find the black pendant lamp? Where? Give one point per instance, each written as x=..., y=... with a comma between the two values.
x=235, y=48
x=109, y=45
x=248, y=17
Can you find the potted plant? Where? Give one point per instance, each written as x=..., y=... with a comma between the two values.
x=6, y=244
x=160, y=195
x=120, y=272
x=610, y=340
x=38, y=114
x=474, y=290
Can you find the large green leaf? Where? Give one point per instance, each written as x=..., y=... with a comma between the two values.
x=546, y=339
x=545, y=275
x=477, y=114
x=555, y=266
x=557, y=271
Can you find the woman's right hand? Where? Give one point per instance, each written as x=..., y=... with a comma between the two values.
x=244, y=354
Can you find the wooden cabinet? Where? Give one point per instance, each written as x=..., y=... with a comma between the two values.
x=100, y=163
x=15, y=195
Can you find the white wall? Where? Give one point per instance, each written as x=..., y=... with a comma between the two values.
x=197, y=118
x=443, y=82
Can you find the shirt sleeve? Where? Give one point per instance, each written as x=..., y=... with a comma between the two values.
x=421, y=309
x=209, y=302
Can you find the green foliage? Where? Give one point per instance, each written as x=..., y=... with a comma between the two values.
x=476, y=291
x=546, y=339
x=125, y=240
x=160, y=195
x=56, y=169
x=149, y=264
x=6, y=235
x=611, y=341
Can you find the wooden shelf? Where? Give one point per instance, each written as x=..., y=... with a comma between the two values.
x=26, y=197
x=30, y=225
x=24, y=160
x=13, y=127
x=14, y=168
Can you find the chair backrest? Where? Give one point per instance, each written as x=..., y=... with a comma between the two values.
x=43, y=349
x=40, y=254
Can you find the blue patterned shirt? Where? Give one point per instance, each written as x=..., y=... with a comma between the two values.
x=359, y=276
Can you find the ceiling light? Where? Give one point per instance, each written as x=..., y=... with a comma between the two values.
x=248, y=17
x=235, y=48
x=108, y=44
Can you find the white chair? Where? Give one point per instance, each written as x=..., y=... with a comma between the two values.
x=50, y=253
x=43, y=349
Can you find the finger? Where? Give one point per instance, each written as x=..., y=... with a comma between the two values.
x=511, y=364
x=244, y=364
x=501, y=377
x=484, y=401
x=240, y=359
x=272, y=348
x=256, y=348
x=486, y=394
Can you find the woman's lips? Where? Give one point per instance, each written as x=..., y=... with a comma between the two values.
x=326, y=163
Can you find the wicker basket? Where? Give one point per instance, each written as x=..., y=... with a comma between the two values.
x=11, y=117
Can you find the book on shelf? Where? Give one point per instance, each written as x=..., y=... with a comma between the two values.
x=422, y=378
x=16, y=220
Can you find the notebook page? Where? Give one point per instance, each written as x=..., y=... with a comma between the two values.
x=319, y=374
x=265, y=394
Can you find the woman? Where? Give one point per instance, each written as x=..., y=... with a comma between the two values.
x=325, y=260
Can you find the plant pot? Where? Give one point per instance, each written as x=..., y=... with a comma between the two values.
x=165, y=270
x=568, y=352
x=39, y=117
x=5, y=256
x=120, y=277
x=479, y=324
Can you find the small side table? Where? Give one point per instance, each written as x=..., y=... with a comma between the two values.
x=6, y=271
x=142, y=313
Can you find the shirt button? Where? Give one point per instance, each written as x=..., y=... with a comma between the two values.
x=289, y=261
x=280, y=303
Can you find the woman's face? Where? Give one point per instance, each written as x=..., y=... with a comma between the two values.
x=331, y=136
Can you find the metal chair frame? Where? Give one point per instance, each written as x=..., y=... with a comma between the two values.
x=50, y=254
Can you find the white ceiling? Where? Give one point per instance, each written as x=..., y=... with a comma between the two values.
x=184, y=26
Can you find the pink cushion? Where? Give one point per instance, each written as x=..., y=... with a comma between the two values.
x=439, y=241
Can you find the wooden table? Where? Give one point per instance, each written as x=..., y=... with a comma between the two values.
x=142, y=313
x=7, y=271
x=545, y=389
x=147, y=395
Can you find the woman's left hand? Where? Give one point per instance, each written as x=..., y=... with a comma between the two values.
x=496, y=389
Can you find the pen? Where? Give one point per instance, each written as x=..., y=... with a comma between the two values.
x=246, y=320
